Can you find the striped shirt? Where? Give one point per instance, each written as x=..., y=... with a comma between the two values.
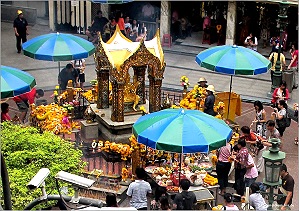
x=224, y=153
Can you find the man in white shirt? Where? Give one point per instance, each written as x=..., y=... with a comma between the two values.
x=139, y=190
x=148, y=11
x=251, y=42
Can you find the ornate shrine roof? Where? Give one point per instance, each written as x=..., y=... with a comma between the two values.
x=119, y=48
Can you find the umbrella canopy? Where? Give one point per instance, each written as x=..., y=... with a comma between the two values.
x=182, y=131
x=233, y=60
x=15, y=82
x=58, y=47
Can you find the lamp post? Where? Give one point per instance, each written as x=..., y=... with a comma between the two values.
x=282, y=21
x=273, y=161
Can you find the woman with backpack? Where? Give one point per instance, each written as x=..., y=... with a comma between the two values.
x=281, y=116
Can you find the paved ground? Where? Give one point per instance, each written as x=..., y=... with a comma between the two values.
x=180, y=60
x=245, y=119
x=178, y=64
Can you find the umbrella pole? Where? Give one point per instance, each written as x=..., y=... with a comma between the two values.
x=58, y=67
x=230, y=91
x=180, y=170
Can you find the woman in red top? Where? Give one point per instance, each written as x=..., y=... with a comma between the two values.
x=121, y=22
x=280, y=93
x=4, y=112
x=294, y=65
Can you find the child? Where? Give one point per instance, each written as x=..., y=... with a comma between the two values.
x=4, y=112
x=228, y=200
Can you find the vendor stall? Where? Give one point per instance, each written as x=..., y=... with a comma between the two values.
x=183, y=154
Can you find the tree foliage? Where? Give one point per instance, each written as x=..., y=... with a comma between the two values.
x=26, y=151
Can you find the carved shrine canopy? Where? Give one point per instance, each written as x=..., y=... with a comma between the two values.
x=113, y=60
x=119, y=48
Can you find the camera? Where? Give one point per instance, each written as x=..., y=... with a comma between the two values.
x=75, y=180
x=38, y=179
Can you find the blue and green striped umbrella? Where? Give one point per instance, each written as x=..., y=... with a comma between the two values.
x=15, y=82
x=182, y=131
x=58, y=47
x=233, y=60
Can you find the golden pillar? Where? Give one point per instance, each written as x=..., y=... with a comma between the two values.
x=139, y=75
x=117, y=114
x=103, y=88
x=154, y=94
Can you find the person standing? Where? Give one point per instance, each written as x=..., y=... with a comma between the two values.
x=128, y=26
x=273, y=58
x=209, y=101
x=279, y=115
x=256, y=146
x=120, y=22
x=206, y=26
x=148, y=12
x=280, y=93
x=20, y=26
x=260, y=119
x=241, y=160
x=139, y=190
x=251, y=172
x=202, y=82
x=251, y=42
x=79, y=66
x=223, y=167
x=24, y=101
x=287, y=187
x=294, y=65
x=186, y=199
x=66, y=74
x=97, y=25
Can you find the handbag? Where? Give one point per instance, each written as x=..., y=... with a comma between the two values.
x=284, y=122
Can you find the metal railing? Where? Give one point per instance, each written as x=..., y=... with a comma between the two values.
x=174, y=97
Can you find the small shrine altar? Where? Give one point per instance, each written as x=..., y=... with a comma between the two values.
x=121, y=67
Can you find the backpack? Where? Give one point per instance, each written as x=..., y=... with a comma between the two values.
x=285, y=121
x=182, y=205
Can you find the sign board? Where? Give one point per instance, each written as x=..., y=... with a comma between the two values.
x=74, y=3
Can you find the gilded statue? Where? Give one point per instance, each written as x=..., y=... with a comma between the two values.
x=130, y=92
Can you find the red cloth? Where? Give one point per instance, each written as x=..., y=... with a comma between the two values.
x=5, y=117
x=251, y=137
x=295, y=63
x=121, y=24
x=30, y=96
x=274, y=98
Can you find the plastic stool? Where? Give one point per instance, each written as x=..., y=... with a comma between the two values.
x=167, y=40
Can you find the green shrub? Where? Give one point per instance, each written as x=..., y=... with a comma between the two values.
x=26, y=151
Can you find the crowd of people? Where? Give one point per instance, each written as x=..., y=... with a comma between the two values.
x=143, y=196
x=130, y=28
